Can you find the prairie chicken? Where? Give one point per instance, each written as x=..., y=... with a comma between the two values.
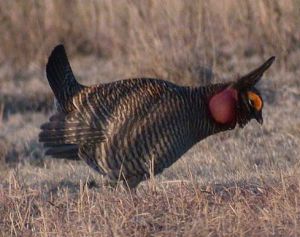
x=127, y=129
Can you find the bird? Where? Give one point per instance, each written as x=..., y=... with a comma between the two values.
x=130, y=129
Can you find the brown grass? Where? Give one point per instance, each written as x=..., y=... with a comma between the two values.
x=160, y=37
x=240, y=183
x=168, y=209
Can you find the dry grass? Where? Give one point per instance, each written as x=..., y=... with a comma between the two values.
x=239, y=183
x=168, y=209
x=155, y=37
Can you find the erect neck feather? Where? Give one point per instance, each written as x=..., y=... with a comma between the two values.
x=222, y=106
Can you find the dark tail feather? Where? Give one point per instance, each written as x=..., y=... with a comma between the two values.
x=65, y=151
x=61, y=78
x=53, y=136
x=63, y=134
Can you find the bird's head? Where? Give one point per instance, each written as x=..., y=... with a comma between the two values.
x=240, y=102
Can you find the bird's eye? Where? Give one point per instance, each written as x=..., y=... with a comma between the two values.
x=251, y=102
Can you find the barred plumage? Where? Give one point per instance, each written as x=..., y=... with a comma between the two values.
x=129, y=128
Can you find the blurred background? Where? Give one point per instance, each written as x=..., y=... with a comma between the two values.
x=187, y=42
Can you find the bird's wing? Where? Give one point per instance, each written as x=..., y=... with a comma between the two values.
x=100, y=113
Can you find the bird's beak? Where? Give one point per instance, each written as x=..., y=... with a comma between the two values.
x=259, y=118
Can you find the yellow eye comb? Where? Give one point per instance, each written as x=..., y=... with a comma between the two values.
x=256, y=100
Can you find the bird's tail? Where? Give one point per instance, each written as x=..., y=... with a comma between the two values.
x=61, y=78
x=64, y=151
x=66, y=130
x=59, y=136
x=54, y=133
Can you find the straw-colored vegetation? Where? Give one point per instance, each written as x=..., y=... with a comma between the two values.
x=239, y=183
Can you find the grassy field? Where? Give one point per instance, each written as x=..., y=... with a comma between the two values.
x=244, y=182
